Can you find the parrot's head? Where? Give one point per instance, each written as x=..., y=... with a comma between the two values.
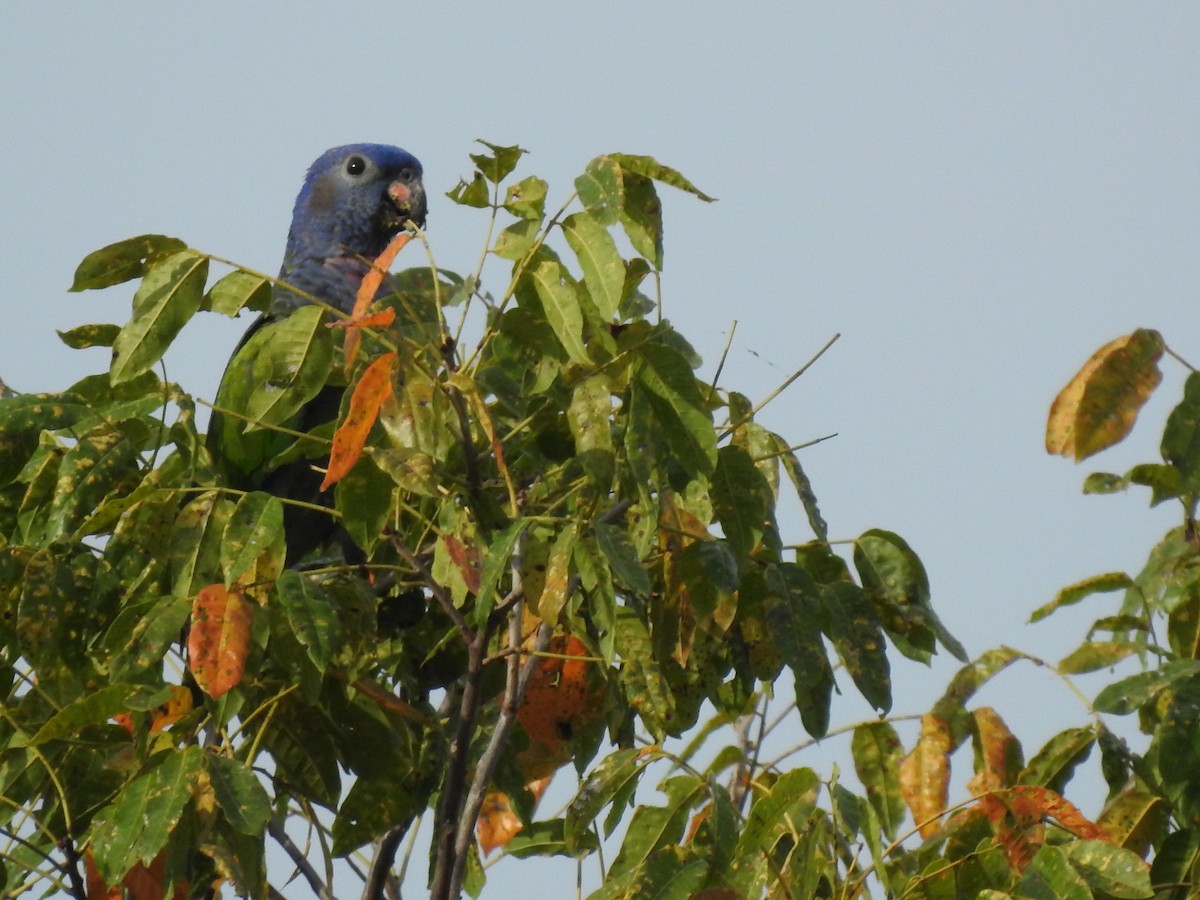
x=355, y=199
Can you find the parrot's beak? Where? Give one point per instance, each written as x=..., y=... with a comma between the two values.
x=406, y=204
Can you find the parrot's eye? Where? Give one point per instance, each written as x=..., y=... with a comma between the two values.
x=356, y=165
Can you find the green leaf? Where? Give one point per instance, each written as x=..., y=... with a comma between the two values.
x=288, y=366
x=84, y=336
x=97, y=707
x=1181, y=438
x=969, y=679
x=495, y=565
x=195, y=543
x=1183, y=628
x=306, y=758
x=556, y=290
x=102, y=461
x=1091, y=656
x=51, y=606
x=499, y=164
x=672, y=391
x=612, y=781
x=855, y=632
x=140, y=637
x=1050, y=876
x=517, y=239
x=527, y=199
x=590, y=418
x=364, y=498
x=1177, y=862
x=641, y=217
x=237, y=291
x=803, y=487
x=793, y=616
x=649, y=167
x=603, y=267
x=170, y=293
x=254, y=531
x=653, y=827
x=600, y=189
x=1165, y=481
x=474, y=193
x=618, y=549
x=778, y=811
x=1104, y=483
x=1128, y=694
x=311, y=614
x=1054, y=764
x=545, y=838
x=877, y=751
x=139, y=822
x=372, y=806
x=742, y=499
x=1072, y=594
x=1109, y=870
x=893, y=573
x=122, y=261
x=239, y=794
x=642, y=680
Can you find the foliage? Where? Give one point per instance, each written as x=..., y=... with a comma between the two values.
x=565, y=551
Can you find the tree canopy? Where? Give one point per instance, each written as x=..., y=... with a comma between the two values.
x=567, y=552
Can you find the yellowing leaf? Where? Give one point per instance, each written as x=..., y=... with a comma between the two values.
x=372, y=389
x=925, y=774
x=219, y=639
x=1098, y=406
x=178, y=706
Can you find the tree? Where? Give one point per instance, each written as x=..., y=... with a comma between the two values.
x=571, y=555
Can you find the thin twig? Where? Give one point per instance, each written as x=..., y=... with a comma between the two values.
x=440, y=594
x=712, y=388
x=302, y=864
x=779, y=390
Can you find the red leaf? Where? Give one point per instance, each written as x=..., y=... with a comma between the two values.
x=372, y=389
x=219, y=639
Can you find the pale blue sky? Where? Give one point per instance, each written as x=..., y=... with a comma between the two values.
x=975, y=195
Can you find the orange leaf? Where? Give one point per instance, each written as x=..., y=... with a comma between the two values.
x=497, y=823
x=381, y=319
x=140, y=883
x=178, y=706
x=925, y=774
x=372, y=389
x=1036, y=802
x=557, y=705
x=219, y=638
x=1098, y=406
x=367, y=290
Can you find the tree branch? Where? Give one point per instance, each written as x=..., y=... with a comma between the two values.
x=440, y=594
x=302, y=864
x=451, y=801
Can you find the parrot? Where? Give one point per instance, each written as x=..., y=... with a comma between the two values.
x=354, y=200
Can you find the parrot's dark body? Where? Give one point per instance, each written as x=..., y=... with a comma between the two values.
x=355, y=199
